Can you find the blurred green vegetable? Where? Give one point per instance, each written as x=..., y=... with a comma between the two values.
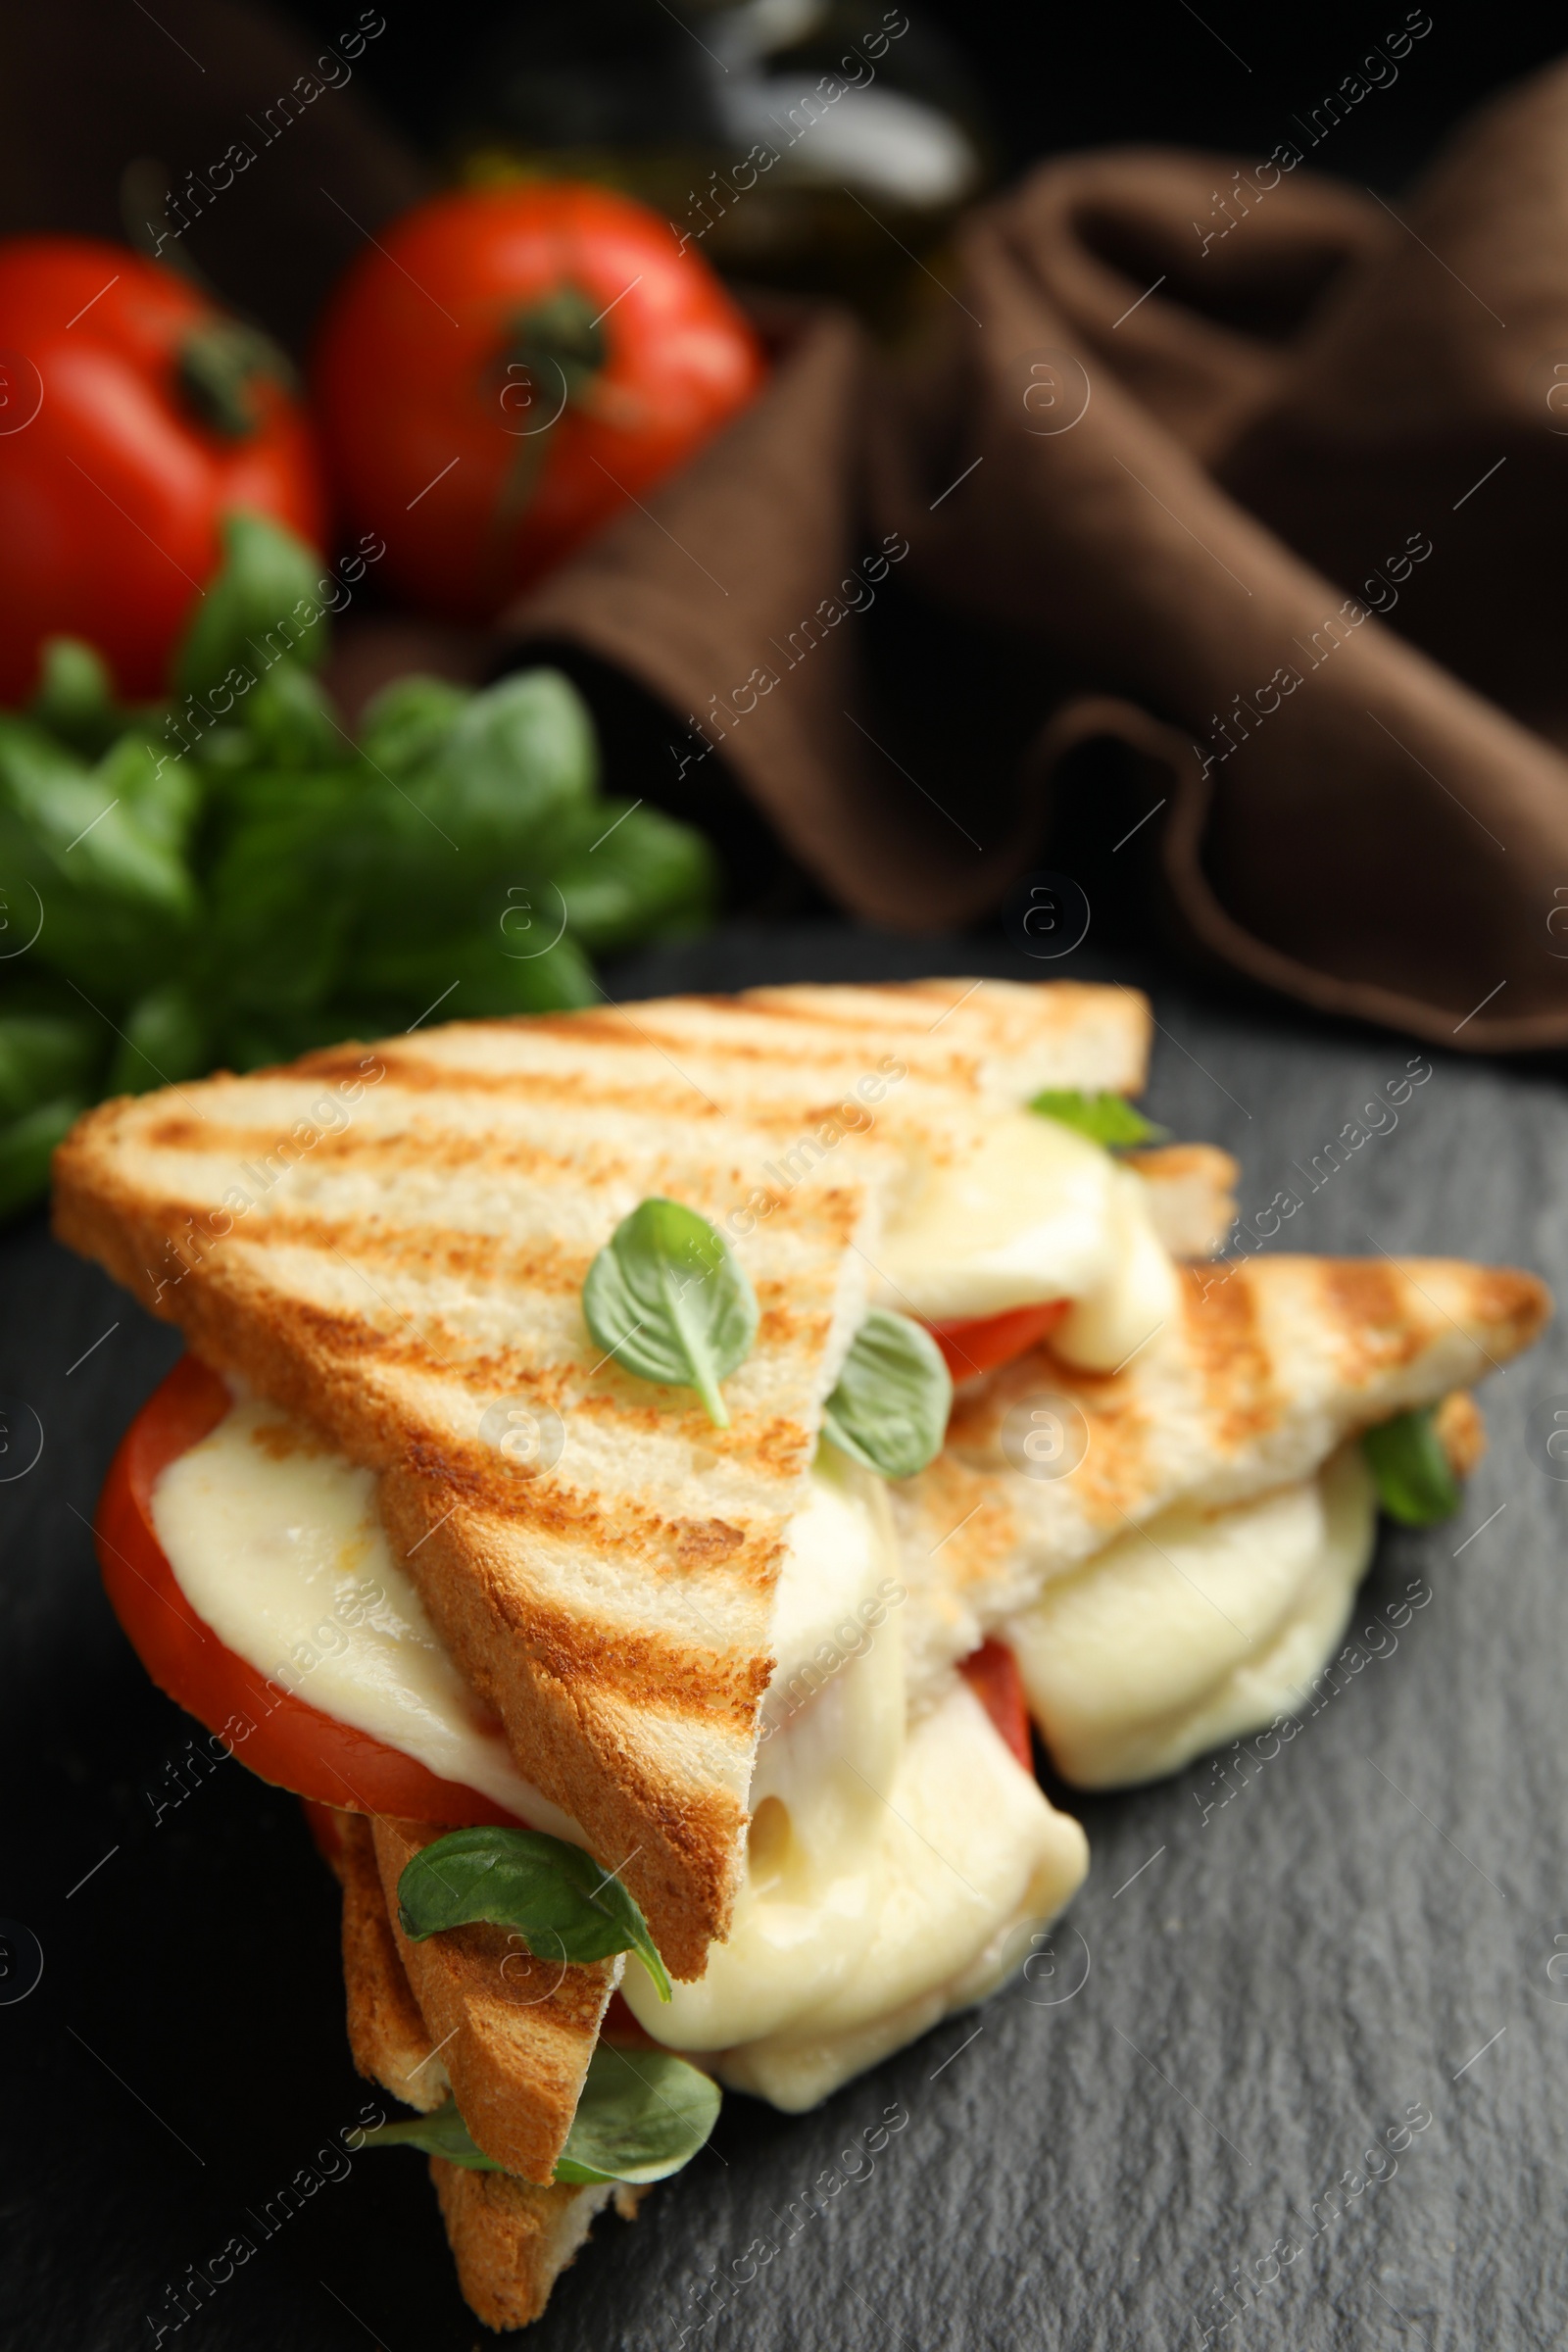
x=230, y=879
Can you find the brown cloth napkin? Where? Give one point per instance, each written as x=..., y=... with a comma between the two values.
x=1255, y=474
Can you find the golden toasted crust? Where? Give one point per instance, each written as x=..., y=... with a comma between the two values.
x=1192, y=1195
x=512, y=2240
x=514, y=2034
x=1461, y=1431
x=391, y=1243
x=387, y=2033
x=1272, y=1364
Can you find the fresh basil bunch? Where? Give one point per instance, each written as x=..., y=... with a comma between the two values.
x=553, y=1895
x=1103, y=1117
x=229, y=879
x=894, y=1395
x=667, y=1298
x=1411, y=1470
x=643, y=2115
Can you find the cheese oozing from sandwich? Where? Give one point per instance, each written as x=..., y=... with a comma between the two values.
x=275, y=1542
x=1197, y=1629
x=1017, y=1209
x=895, y=1867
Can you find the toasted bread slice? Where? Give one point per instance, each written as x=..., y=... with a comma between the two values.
x=392, y=1242
x=397, y=1279
x=1272, y=1364
x=511, y=2239
x=514, y=2034
x=1192, y=1195
x=387, y=2033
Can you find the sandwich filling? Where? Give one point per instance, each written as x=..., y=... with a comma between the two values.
x=1196, y=1629
x=898, y=1858
x=1014, y=1210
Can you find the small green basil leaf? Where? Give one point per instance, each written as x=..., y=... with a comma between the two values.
x=555, y=1895
x=43, y=1056
x=476, y=976
x=1105, y=1118
x=440, y=2134
x=1414, y=1482
x=260, y=607
x=163, y=1039
x=889, y=1408
x=643, y=2114
x=76, y=697
x=408, y=722
x=666, y=1298
x=635, y=873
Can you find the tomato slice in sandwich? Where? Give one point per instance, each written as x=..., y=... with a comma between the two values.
x=278, y=1735
x=981, y=1343
x=992, y=1674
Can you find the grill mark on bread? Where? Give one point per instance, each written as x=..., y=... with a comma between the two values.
x=1240, y=1396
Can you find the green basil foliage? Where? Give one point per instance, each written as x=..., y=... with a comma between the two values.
x=889, y=1408
x=643, y=2115
x=667, y=1299
x=553, y=1895
x=1105, y=1118
x=229, y=879
x=441, y=2133
x=1414, y=1482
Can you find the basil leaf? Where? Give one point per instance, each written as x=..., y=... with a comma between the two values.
x=635, y=873
x=258, y=609
x=889, y=1408
x=408, y=722
x=1103, y=1117
x=162, y=1039
x=43, y=1056
x=442, y=2132
x=1414, y=1482
x=555, y=1895
x=666, y=1298
x=76, y=697
x=643, y=2114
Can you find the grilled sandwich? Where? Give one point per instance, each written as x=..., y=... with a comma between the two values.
x=455, y=1560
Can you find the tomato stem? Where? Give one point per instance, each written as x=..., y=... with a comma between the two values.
x=220, y=371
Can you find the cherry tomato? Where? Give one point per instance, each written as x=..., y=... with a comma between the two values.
x=133, y=414
x=992, y=1674
x=288, y=1743
x=983, y=1342
x=509, y=366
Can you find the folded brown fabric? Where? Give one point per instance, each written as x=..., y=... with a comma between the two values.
x=1221, y=462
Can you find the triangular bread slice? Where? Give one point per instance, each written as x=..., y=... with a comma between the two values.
x=1271, y=1365
x=391, y=1242
x=509, y=2238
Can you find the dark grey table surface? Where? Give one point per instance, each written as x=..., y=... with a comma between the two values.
x=1159, y=2139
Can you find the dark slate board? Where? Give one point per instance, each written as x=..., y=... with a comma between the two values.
x=1211, y=2046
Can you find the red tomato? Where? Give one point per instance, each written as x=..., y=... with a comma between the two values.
x=983, y=1341
x=133, y=414
x=507, y=368
x=288, y=1743
x=992, y=1674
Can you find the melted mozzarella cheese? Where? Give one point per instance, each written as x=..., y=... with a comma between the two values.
x=276, y=1544
x=893, y=1873
x=1195, y=1630
x=1020, y=1209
